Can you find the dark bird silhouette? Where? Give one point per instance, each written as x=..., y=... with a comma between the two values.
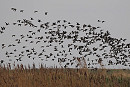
x=21, y=10
x=41, y=36
x=14, y=9
x=39, y=20
x=99, y=21
x=35, y=11
x=46, y=13
x=6, y=23
x=14, y=23
x=2, y=28
x=103, y=21
x=31, y=18
x=2, y=61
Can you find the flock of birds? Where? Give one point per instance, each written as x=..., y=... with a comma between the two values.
x=68, y=42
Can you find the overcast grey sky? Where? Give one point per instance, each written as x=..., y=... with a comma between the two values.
x=116, y=13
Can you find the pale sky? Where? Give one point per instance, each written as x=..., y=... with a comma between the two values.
x=116, y=13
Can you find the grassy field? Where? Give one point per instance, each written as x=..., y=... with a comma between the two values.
x=56, y=77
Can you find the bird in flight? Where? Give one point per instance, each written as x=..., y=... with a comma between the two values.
x=35, y=11
x=21, y=10
x=46, y=13
x=14, y=9
x=54, y=35
x=101, y=21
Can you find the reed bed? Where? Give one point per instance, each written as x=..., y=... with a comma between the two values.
x=63, y=77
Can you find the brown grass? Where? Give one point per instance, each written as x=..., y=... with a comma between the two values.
x=60, y=77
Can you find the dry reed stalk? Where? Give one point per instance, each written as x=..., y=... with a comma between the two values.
x=59, y=77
